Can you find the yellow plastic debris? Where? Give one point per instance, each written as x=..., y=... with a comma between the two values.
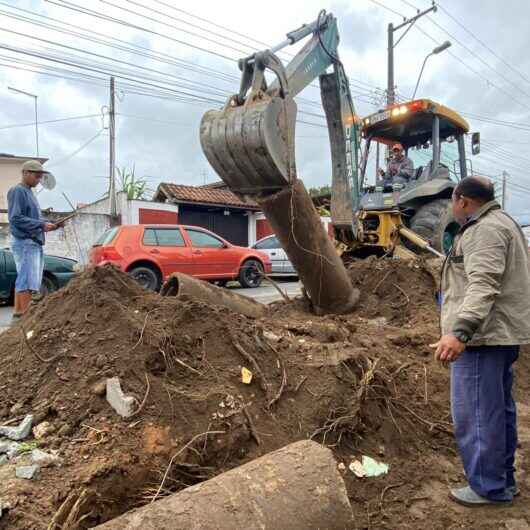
x=246, y=375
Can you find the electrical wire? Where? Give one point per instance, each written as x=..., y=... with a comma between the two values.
x=44, y=122
x=76, y=152
x=481, y=42
x=488, y=81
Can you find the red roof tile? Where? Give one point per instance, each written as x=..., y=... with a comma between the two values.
x=224, y=197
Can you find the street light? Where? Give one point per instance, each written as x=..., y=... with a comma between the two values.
x=36, y=115
x=436, y=51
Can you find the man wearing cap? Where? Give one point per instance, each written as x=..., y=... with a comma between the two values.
x=400, y=168
x=27, y=230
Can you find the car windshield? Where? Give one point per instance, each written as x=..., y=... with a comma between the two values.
x=106, y=237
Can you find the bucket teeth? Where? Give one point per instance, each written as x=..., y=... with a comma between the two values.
x=248, y=145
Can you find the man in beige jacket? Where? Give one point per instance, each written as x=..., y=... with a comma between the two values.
x=485, y=318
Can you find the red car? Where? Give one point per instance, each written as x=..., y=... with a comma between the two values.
x=150, y=253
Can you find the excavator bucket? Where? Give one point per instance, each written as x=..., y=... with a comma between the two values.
x=251, y=146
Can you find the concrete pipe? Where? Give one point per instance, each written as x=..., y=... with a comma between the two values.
x=295, y=488
x=181, y=284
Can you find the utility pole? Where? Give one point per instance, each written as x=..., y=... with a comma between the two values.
x=390, y=90
x=112, y=150
x=504, y=179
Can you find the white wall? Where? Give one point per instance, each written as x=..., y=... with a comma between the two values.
x=129, y=210
x=75, y=239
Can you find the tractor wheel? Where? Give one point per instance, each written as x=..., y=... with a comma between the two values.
x=435, y=221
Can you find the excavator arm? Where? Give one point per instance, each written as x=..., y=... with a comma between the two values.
x=250, y=142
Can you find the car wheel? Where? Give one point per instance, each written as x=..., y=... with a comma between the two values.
x=147, y=277
x=48, y=285
x=250, y=274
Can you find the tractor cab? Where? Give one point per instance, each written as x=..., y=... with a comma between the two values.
x=427, y=129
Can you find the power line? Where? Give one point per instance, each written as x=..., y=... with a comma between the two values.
x=455, y=56
x=83, y=146
x=32, y=124
x=469, y=32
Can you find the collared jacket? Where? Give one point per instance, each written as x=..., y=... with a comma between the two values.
x=403, y=168
x=486, y=281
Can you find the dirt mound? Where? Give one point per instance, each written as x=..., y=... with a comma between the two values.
x=362, y=383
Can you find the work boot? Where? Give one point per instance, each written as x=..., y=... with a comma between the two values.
x=467, y=497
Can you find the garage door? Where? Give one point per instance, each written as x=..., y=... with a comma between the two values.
x=161, y=217
x=233, y=227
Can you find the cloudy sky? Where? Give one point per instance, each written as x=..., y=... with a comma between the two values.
x=173, y=60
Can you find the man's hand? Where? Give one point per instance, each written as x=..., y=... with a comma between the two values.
x=49, y=227
x=381, y=172
x=448, y=348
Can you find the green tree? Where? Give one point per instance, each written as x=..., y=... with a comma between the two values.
x=134, y=187
x=318, y=191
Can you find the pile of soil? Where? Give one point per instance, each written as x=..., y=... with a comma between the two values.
x=363, y=383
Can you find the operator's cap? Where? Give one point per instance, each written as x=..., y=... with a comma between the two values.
x=35, y=166
x=397, y=146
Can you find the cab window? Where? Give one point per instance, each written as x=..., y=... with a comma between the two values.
x=204, y=240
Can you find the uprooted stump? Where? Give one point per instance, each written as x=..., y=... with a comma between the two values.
x=297, y=487
x=296, y=223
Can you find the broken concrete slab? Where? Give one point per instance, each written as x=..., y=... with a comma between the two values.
x=9, y=448
x=44, y=459
x=27, y=472
x=20, y=432
x=122, y=404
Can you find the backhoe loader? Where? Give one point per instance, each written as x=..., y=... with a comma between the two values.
x=250, y=144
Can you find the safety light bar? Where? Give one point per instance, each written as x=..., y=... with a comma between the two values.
x=393, y=112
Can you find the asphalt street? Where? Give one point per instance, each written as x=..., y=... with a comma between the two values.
x=265, y=294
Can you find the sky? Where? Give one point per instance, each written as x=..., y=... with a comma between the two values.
x=174, y=60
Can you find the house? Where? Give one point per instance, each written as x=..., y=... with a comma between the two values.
x=213, y=207
x=10, y=173
x=216, y=208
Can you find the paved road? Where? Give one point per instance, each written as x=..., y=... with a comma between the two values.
x=5, y=317
x=265, y=294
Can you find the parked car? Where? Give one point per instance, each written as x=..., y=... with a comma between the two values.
x=271, y=246
x=57, y=272
x=150, y=253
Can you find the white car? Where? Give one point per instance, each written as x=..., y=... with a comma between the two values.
x=280, y=262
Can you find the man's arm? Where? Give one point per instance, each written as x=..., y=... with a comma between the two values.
x=407, y=168
x=15, y=201
x=484, y=263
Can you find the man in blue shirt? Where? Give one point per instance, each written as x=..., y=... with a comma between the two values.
x=27, y=229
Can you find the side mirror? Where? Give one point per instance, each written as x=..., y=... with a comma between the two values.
x=475, y=143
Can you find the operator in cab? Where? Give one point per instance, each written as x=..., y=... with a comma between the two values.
x=400, y=168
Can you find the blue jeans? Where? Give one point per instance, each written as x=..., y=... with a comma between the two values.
x=29, y=261
x=484, y=417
